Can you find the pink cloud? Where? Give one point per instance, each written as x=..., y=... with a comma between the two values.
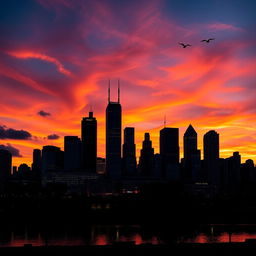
x=222, y=26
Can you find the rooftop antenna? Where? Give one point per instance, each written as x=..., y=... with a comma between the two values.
x=118, y=90
x=164, y=121
x=108, y=90
x=90, y=112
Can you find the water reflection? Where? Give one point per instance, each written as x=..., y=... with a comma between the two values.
x=223, y=234
x=101, y=240
x=98, y=235
x=108, y=234
x=220, y=238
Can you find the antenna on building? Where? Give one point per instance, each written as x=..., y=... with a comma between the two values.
x=118, y=90
x=108, y=90
x=164, y=121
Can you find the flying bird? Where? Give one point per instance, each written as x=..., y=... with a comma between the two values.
x=207, y=40
x=185, y=45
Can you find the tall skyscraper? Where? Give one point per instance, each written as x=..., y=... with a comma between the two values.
x=248, y=173
x=146, y=163
x=5, y=168
x=235, y=165
x=170, y=152
x=129, y=152
x=51, y=159
x=72, y=153
x=211, y=157
x=192, y=159
x=158, y=167
x=113, y=137
x=89, y=143
x=231, y=172
x=37, y=162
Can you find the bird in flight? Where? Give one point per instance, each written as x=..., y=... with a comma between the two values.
x=207, y=40
x=185, y=45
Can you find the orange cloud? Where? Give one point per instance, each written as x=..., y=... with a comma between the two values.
x=40, y=56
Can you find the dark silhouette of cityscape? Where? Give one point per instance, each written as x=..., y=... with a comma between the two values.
x=78, y=170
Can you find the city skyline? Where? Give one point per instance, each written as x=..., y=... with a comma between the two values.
x=74, y=153
x=138, y=144
x=57, y=56
x=127, y=126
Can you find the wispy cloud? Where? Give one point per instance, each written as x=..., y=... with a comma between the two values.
x=40, y=56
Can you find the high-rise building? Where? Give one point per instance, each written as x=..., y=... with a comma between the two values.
x=14, y=170
x=192, y=158
x=248, y=173
x=146, y=162
x=129, y=152
x=211, y=157
x=52, y=159
x=113, y=137
x=89, y=143
x=37, y=162
x=170, y=152
x=231, y=172
x=235, y=165
x=5, y=168
x=190, y=141
x=158, y=167
x=24, y=171
x=72, y=153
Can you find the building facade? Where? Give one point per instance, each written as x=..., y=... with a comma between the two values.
x=89, y=143
x=113, y=137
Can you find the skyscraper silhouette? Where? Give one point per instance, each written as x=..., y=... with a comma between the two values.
x=129, y=152
x=211, y=157
x=192, y=164
x=158, y=167
x=89, y=143
x=24, y=171
x=231, y=172
x=37, y=162
x=248, y=174
x=51, y=159
x=146, y=163
x=113, y=137
x=169, y=151
x=5, y=168
x=72, y=153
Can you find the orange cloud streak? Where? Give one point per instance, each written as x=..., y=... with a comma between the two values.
x=40, y=56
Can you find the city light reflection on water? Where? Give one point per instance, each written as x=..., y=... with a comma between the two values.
x=105, y=235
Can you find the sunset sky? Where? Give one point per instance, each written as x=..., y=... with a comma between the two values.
x=56, y=57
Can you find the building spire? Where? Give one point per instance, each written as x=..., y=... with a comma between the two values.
x=164, y=121
x=118, y=90
x=90, y=108
x=108, y=90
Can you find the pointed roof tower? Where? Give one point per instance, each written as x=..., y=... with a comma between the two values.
x=190, y=132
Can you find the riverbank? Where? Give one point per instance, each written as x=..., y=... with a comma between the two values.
x=245, y=248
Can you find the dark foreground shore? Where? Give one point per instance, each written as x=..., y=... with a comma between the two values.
x=245, y=248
